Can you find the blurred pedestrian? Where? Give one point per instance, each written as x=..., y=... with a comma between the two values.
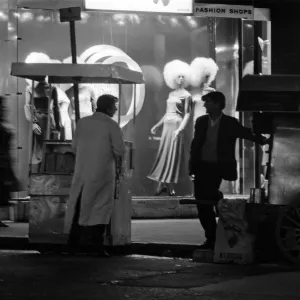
x=98, y=144
x=8, y=181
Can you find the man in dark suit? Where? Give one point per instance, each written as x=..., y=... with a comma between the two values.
x=212, y=158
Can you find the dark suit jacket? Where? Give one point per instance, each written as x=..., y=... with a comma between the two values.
x=229, y=130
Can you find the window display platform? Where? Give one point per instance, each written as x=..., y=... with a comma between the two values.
x=156, y=207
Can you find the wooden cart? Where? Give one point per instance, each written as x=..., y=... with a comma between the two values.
x=49, y=187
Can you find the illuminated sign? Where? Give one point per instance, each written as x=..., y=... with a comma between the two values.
x=157, y=6
x=224, y=11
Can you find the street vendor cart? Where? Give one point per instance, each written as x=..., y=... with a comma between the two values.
x=274, y=101
x=49, y=186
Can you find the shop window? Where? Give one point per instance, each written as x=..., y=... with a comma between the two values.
x=141, y=42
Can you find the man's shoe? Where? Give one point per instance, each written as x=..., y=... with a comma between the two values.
x=207, y=245
x=164, y=189
x=2, y=224
x=103, y=253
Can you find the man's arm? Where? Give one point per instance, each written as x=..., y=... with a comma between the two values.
x=118, y=145
x=246, y=133
x=118, y=148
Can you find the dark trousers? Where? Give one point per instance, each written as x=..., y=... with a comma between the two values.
x=96, y=232
x=206, y=187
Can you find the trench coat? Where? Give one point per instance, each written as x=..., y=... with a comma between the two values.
x=98, y=139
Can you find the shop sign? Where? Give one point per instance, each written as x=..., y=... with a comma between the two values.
x=156, y=6
x=44, y=4
x=224, y=11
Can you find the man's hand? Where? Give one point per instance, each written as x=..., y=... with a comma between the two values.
x=36, y=129
x=264, y=141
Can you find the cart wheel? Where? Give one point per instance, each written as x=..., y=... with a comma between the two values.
x=288, y=233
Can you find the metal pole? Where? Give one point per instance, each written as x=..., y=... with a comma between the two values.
x=257, y=70
x=134, y=103
x=74, y=61
x=119, y=109
x=241, y=114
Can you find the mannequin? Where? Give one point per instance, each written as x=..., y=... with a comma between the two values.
x=46, y=108
x=37, y=107
x=168, y=159
x=63, y=102
x=87, y=100
x=203, y=73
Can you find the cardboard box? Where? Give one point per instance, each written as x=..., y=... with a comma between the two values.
x=242, y=252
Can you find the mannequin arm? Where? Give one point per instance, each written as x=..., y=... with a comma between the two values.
x=27, y=107
x=30, y=117
x=187, y=114
x=154, y=128
x=160, y=122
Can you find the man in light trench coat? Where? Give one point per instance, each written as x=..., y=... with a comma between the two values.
x=98, y=143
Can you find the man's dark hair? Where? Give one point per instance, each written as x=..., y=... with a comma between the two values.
x=105, y=103
x=216, y=97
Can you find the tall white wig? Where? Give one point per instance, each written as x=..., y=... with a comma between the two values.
x=203, y=70
x=37, y=57
x=176, y=68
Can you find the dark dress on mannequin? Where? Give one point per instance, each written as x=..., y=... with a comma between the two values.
x=40, y=110
x=168, y=159
x=47, y=119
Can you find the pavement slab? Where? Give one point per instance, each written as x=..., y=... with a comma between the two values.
x=30, y=275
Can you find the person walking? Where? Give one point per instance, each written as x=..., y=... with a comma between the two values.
x=98, y=144
x=8, y=181
x=212, y=158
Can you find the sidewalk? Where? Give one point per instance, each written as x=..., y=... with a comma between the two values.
x=30, y=275
x=152, y=237
x=169, y=231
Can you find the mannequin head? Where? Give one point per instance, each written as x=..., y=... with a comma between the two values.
x=177, y=74
x=203, y=72
x=37, y=57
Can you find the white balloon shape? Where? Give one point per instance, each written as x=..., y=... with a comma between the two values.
x=109, y=55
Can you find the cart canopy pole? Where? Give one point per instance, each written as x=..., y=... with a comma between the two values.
x=74, y=61
x=71, y=15
x=120, y=101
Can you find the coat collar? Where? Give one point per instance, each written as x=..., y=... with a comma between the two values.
x=100, y=115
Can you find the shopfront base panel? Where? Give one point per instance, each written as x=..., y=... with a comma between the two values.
x=46, y=219
x=47, y=216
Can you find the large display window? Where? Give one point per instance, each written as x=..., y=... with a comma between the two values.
x=142, y=42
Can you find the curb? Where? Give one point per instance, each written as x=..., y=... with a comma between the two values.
x=151, y=249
